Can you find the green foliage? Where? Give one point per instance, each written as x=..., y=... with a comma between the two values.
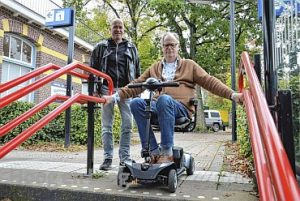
x=208, y=39
x=218, y=103
x=98, y=175
x=243, y=132
x=295, y=89
x=148, y=53
x=95, y=28
x=55, y=130
x=16, y=109
x=78, y=7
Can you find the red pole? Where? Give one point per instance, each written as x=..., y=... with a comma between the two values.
x=265, y=186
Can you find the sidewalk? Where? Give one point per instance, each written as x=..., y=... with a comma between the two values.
x=61, y=176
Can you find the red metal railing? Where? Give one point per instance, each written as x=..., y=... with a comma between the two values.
x=35, y=85
x=10, y=84
x=268, y=150
x=78, y=98
x=20, y=119
x=263, y=177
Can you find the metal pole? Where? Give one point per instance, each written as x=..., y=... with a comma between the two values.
x=257, y=66
x=232, y=55
x=285, y=124
x=269, y=50
x=69, y=80
x=90, y=127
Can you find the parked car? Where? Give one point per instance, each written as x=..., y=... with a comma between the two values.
x=213, y=120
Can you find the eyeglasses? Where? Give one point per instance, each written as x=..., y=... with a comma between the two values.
x=171, y=45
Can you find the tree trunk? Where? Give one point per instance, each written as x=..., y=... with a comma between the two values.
x=200, y=111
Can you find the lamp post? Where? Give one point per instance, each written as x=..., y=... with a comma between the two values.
x=232, y=55
x=233, y=60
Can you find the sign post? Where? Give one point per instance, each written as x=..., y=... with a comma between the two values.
x=58, y=18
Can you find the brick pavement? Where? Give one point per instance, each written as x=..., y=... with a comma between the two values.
x=66, y=171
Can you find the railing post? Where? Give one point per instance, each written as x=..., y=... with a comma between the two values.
x=257, y=66
x=90, y=127
x=285, y=124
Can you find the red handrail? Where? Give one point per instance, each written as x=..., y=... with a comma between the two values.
x=20, y=119
x=35, y=85
x=10, y=84
x=264, y=182
x=283, y=179
x=78, y=98
x=9, y=146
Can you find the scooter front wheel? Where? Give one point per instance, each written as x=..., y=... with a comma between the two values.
x=120, y=178
x=172, y=181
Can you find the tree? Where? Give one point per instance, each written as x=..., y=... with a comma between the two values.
x=204, y=32
x=95, y=28
x=204, y=29
x=139, y=20
x=78, y=7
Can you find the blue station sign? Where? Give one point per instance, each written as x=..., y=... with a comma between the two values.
x=59, y=18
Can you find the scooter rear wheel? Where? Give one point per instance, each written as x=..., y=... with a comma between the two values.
x=172, y=181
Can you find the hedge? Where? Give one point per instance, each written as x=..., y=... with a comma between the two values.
x=243, y=136
x=55, y=130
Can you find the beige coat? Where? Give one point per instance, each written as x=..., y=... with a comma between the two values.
x=188, y=74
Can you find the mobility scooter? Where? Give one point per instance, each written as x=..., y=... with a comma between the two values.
x=147, y=172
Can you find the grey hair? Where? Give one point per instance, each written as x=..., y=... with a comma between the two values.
x=116, y=20
x=172, y=34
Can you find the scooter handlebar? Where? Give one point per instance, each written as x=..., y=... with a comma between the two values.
x=153, y=86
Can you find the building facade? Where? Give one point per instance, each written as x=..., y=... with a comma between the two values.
x=26, y=44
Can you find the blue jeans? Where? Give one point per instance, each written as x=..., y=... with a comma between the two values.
x=107, y=116
x=167, y=110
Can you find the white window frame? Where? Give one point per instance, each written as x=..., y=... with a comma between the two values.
x=20, y=63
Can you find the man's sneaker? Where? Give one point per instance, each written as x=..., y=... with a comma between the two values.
x=106, y=165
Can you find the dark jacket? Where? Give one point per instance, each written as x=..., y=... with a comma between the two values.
x=99, y=61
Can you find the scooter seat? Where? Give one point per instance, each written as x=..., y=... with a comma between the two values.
x=180, y=122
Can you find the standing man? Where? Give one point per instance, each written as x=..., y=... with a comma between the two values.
x=118, y=58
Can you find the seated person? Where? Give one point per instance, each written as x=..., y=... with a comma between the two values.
x=171, y=102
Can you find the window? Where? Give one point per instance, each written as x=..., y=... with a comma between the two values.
x=17, y=49
x=215, y=114
x=205, y=114
x=18, y=60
